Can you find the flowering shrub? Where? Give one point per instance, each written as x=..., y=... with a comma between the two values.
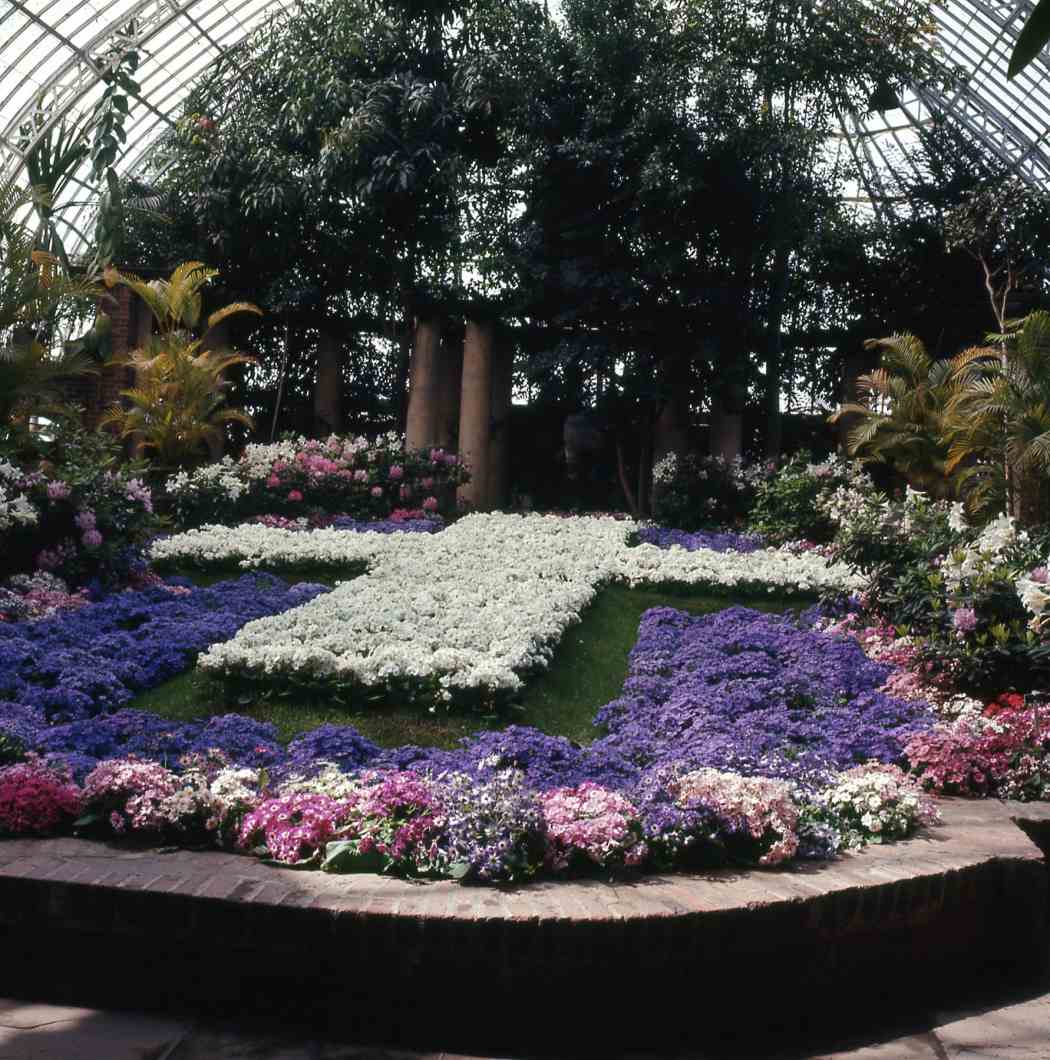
x=494, y=829
x=390, y=817
x=363, y=479
x=27, y=597
x=692, y=492
x=36, y=798
x=84, y=527
x=129, y=794
x=590, y=824
x=807, y=501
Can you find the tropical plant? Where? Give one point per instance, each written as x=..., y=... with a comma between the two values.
x=902, y=412
x=177, y=406
x=999, y=418
x=32, y=288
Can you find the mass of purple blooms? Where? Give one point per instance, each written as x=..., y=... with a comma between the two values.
x=738, y=690
x=81, y=663
x=388, y=526
x=715, y=540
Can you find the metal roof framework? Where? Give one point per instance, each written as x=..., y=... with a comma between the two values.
x=60, y=50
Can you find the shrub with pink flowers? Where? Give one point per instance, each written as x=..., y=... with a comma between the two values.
x=36, y=798
x=308, y=478
x=590, y=825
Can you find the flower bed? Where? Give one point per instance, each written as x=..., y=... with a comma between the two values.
x=465, y=614
x=367, y=479
x=80, y=663
x=678, y=780
x=712, y=540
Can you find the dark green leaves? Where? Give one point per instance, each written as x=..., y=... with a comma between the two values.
x=1032, y=39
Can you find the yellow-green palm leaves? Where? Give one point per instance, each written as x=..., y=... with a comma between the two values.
x=901, y=413
x=177, y=407
x=176, y=303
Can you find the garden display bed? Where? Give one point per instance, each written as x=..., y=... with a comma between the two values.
x=953, y=906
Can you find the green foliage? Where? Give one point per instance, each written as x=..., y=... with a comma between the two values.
x=692, y=493
x=177, y=406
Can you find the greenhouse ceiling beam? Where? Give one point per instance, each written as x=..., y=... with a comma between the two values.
x=145, y=138
x=88, y=74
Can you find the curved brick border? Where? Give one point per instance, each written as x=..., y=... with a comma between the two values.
x=968, y=897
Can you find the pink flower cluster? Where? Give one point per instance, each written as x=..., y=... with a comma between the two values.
x=753, y=806
x=592, y=823
x=293, y=828
x=976, y=755
x=36, y=798
x=132, y=793
x=396, y=814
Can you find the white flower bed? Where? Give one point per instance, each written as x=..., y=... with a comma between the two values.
x=253, y=546
x=472, y=609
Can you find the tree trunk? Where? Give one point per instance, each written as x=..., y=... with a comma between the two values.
x=475, y=417
x=424, y=386
x=671, y=432
x=774, y=344
x=328, y=383
x=450, y=382
x=499, y=448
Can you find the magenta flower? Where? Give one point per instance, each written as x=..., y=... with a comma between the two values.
x=91, y=539
x=377, y=491
x=58, y=491
x=396, y=472
x=430, y=504
x=295, y=496
x=85, y=520
x=273, y=482
x=964, y=619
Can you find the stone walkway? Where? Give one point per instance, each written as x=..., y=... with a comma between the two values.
x=1019, y=1031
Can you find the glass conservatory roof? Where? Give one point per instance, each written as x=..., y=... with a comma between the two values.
x=60, y=50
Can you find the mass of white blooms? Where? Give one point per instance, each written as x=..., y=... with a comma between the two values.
x=252, y=546
x=985, y=551
x=15, y=507
x=475, y=607
x=777, y=570
x=222, y=476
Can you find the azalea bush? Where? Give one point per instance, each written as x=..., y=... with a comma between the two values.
x=79, y=514
x=798, y=502
x=693, y=492
x=307, y=478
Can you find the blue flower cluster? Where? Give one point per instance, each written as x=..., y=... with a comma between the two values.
x=388, y=526
x=715, y=540
x=79, y=664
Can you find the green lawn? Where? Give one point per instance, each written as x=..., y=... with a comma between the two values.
x=587, y=671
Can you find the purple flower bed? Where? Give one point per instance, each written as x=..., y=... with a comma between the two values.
x=388, y=526
x=94, y=660
x=755, y=714
x=716, y=541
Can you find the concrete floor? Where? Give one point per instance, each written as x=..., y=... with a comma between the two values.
x=36, y=1031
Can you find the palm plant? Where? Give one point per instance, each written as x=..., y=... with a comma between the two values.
x=32, y=288
x=177, y=406
x=901, y=413
x=999, y=417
